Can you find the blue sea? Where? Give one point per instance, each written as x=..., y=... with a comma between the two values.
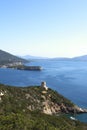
x=69, y=78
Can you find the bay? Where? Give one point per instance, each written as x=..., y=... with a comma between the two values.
x=69, y=78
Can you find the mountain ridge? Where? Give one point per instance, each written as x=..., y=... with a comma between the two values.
x=77, y=58
x=33, y=57
x=8, y=57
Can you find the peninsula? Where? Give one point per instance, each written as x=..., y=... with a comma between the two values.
x=36, y=108
x=8, y=60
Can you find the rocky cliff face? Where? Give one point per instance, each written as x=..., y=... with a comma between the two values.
x=24, y=99
x=51, y=105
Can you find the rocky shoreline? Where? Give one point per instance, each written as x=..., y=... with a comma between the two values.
x=73, y=110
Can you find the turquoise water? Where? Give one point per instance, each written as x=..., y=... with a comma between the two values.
x=67, y=77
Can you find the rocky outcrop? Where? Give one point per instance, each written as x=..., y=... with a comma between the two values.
x=35, y=98
x=49, y=106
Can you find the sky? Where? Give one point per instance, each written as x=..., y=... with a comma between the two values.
x=47, y=28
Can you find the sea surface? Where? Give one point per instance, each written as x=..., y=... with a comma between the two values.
x=69, y=78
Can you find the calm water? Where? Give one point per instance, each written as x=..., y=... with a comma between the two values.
x=67, y=77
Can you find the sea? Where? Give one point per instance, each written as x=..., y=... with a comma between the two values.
x=68, y=78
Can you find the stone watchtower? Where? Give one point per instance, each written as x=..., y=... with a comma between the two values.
x=43, y=85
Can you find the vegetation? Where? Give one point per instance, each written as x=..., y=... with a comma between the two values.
x=30, y=98
x=6, y=58
x=38, y=121
x=22, y=109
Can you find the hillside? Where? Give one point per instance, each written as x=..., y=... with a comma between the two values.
x=35, y=108
x=80, y=58
x=6, y=58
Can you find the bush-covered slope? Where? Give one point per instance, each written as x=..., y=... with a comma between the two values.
x=33, y=98
x=27, y=108
x=38, y=121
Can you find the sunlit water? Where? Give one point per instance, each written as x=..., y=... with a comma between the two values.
x=67, y=77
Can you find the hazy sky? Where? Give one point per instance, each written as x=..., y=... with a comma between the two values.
x=50, y=28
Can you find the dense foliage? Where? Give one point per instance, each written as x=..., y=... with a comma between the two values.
x=15, y=115
x=38, y=121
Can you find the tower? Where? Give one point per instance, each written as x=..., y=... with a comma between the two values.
x=43, y=85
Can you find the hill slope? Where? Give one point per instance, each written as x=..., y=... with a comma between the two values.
x=6, y=58
x=34, y=108
x=34, y=98
x=80, y=58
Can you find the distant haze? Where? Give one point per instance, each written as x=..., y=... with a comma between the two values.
x=79, y=58
x=33, y=57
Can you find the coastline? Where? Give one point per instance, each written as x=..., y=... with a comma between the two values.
x=21, y=66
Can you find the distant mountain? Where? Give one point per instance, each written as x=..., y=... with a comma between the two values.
x=6, y=58
x=33, y=57
x=80, y=58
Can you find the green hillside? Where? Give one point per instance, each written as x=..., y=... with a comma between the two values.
x=34, y=108
x=6, y=58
